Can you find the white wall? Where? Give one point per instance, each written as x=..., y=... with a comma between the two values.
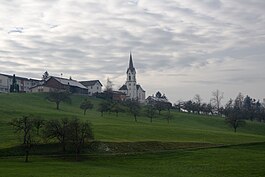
x=94, y=89
x=4, y=83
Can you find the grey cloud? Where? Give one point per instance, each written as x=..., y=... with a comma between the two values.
x=182, y=39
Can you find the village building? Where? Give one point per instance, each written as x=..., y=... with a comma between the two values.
x=131, y=88
x=24, y=84
x=56, y=83
x=158, y=98
x=93, y=86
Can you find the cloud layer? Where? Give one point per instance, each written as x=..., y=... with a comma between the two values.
x=179, y=47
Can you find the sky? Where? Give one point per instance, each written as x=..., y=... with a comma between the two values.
x=179, y=47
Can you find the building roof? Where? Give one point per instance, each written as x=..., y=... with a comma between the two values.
x=124, y=87
x=18, y=77
x=90, y=83
x=131, y=68
x=70, y=82
x=138, y=87
x=153, y=98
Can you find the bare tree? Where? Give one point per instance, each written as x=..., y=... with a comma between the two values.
x=197, y=99
x=58, y=97
x=38, y=123
x=116, y=107
x=104, y=107
x=216, y=99
x=134, y=107
x=24, y=126
x=150, y=110
x=233, y=112
x=197, y=103
x=81, y=132
x=85, y=105
x=109, y=85
x=57, y=129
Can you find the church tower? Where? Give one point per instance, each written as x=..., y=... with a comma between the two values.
x=131, y=88
x=131, y=72
x=131, y=79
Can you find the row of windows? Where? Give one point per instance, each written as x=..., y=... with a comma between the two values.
x=92, y=87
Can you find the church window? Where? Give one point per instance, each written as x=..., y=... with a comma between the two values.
x=129, y=78
x=129, y=84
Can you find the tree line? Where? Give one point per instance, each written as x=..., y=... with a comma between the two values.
x=234, y=111
x=248, y=108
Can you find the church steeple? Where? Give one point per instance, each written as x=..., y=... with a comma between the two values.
x=131, y=68
x=131, y=88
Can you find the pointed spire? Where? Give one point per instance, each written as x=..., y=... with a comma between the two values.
x=131, y=63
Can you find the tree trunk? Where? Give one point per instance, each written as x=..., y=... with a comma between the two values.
x=57, y=105
x=27, y=155
x=64, y=149
x=84, y=111
x=135, y=119
x=76, y=154
x=151, y=120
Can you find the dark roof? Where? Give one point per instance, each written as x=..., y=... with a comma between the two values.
x=70, y=82
x=90, y=83
x=131, y=68
x=153, y=98
x=124, y=87
x=118, y=93
x=17, y=77
x=138, y=87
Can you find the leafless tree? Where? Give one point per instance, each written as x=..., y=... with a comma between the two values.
x=197, y=100
x=80, y=133
x=109, y=85
x=24, y=127
x=216, y=99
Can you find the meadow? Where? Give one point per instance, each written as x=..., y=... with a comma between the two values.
x=189, y=145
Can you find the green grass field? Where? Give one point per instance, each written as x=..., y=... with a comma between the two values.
x=235, y=154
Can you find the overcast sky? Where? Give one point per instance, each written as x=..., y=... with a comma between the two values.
x=180, y=47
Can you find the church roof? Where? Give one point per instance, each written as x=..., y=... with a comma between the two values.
x=138, y=87
x=131, y=68
x=124, y=87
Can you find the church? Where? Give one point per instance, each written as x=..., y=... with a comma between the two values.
x=131, y=88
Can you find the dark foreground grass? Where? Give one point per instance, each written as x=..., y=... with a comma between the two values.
x=236, y=161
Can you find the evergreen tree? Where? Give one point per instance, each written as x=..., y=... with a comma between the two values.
x=14, y=87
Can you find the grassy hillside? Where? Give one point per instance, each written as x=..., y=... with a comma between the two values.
x=182, y=128
x=240, y=154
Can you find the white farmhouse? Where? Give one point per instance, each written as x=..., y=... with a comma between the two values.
x=131, y=88
x=93, y=86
